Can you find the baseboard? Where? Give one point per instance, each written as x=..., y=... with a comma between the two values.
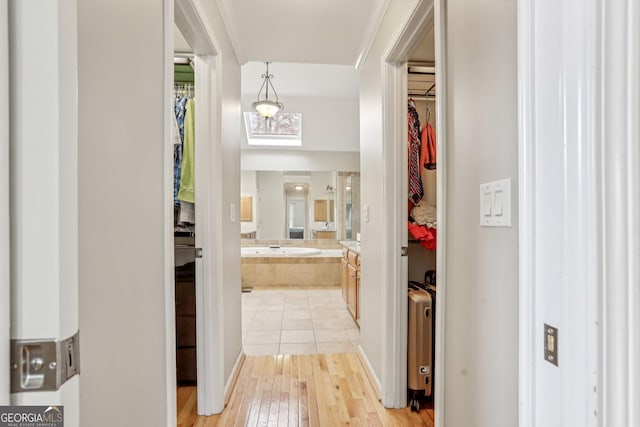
x=371, y=375
x=235, y=373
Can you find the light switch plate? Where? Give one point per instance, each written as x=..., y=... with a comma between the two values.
x=495, y=203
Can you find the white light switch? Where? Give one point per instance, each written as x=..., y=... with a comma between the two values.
x=487, y=202
x=365, y=213
x=495, y=203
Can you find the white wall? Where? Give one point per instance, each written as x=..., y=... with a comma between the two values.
x=482, y=295
x=328, y=124
x=482, y=263
x=121, y=214
x=271, y=205
x=291, y=160
x=122, y=311
x=371, y=183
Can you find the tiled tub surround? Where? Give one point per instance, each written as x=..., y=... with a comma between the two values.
x=322, y=270
x=297, y=321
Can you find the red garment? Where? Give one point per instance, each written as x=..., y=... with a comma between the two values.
x=428, y=147
x=426, y=236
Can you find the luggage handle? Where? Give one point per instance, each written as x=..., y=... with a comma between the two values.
x=427, y=311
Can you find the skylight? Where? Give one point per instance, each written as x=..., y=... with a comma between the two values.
x=284, y=129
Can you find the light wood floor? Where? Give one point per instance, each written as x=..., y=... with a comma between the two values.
x=305, y=390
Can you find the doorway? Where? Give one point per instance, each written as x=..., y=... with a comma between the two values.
x=425, y=18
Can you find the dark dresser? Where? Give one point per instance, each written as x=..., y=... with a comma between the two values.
x=185, y=308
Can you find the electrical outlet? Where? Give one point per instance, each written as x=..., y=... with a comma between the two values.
x=551, y=344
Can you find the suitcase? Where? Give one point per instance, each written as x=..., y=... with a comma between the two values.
x=421, y=338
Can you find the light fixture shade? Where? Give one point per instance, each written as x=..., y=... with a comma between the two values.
x=266, y=107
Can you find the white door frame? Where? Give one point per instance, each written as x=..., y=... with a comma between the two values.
x=416, y=24
x=5, y=313
x=604, y=39
x=189, y=16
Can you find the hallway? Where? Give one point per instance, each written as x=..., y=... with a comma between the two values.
x=313, y=390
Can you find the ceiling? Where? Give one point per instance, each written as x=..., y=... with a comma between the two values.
x=301, y=31
x=312, y=80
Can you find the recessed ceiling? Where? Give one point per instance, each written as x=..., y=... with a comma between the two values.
x=302, y=31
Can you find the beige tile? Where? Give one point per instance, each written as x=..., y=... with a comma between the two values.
x=262, y=337
x=261, y=349
x=297, y=324
x=324, y=313
x=302, y=348
x=335, y=347
x=259, y=324
x=297, y=336
x=327, y=324
x=276, y=306
x=331, y=335
x=348, y=323
x=354, y=334
x=268, y=315
x=297, y=314
x=296, y=306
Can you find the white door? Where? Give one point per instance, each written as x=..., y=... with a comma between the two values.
x=43, y=188
x=4, y=201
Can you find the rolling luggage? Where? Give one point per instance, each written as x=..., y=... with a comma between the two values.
x=421, y=338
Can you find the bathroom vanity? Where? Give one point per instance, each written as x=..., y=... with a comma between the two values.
x=351, y=277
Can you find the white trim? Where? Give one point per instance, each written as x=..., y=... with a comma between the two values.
x=233, y=378
x=394, y=354
x=371, y=373
x=5, y=313
x=373, y=26
x=415, y=25
x=620, y=296
x=526, y=191
x=209, y=284
x=229, y=23
x=440, y=31
x=168, y=252
x=189, y=18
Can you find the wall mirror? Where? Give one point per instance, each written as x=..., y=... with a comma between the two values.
x=301, y=205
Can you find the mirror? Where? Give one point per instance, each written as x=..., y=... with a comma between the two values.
x=301, y=205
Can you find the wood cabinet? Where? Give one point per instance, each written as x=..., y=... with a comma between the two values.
x=324, y=234
x=320, y=210
x=351, y=282
x=246, y=208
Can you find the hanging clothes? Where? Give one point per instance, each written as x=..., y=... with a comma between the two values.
x=416, y=191
x=428, y=151
x=187, y=176
x=179, y=108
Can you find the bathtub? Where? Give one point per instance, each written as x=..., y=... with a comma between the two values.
x=266, y=251
x=290, y=267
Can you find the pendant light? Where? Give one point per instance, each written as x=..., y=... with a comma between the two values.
x=266, y=107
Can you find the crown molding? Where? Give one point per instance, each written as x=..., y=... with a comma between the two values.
x=375, y=21
x=227, y=18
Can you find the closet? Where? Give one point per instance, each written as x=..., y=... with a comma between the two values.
x=183, y=134
x=422, y=223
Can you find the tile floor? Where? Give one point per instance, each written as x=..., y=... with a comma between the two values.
x=297, y=321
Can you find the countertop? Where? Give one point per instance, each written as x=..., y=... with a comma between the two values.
x=352, y=245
